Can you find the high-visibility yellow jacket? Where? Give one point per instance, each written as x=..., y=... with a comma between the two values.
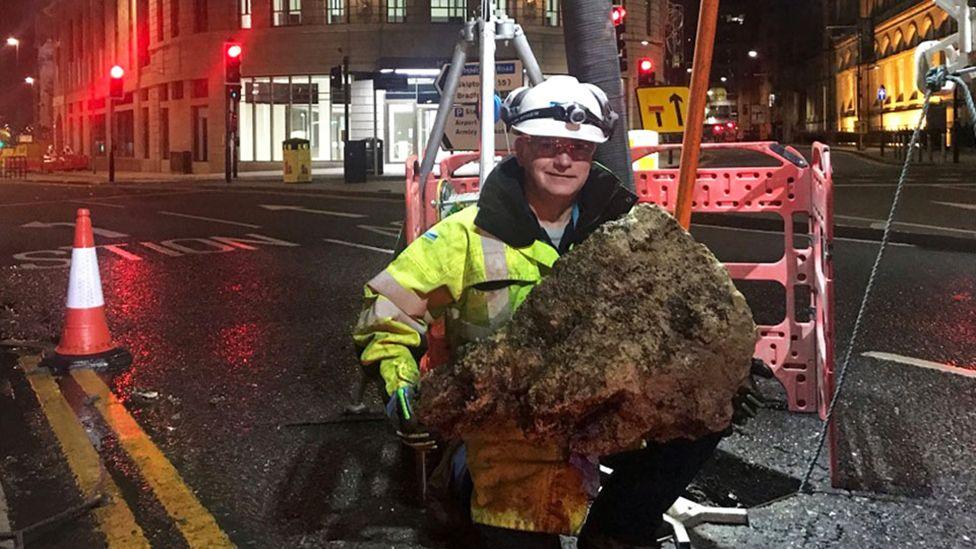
x=474, y=269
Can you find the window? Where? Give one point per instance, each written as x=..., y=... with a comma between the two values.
x=200, y=23
x=164, y=133
x=448, y=11
x=287, y=12
x=177, y=89
x=159, y=20
x=145, y=133
x=336, y=12
x=396, y=11
x=125, y=126
x=200, y=88
x=500, y=6
x=552, y=13
x=163, y=92
x=245, y=13
x=174, y=17
x=200, y=134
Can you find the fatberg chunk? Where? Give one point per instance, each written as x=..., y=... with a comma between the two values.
x=638, y=333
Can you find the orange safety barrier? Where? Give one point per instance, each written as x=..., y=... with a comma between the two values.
x=800, y=352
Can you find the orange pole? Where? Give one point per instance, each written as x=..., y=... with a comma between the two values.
x=691, y=147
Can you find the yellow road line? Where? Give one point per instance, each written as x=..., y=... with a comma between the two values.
x=114, y=517
x=197, y=525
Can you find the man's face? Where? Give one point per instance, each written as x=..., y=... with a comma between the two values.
x=555, y=166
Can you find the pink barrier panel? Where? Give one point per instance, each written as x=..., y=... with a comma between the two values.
x=800, y=353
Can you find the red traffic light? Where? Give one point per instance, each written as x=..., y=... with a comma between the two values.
x=645, y=65
x=617, y=15
x=234, y=50
x=116, y=72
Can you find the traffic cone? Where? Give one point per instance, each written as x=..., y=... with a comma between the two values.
x=85, y=341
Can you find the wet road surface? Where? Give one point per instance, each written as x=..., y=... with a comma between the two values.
x=238, y=319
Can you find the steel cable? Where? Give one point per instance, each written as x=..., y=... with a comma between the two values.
x=935, y=79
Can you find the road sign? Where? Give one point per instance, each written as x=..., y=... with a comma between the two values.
x=461, y=132
x=663, y=109
x=882, y=94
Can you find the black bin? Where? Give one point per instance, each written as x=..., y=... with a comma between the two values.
x=374, y=147
x=354, y=162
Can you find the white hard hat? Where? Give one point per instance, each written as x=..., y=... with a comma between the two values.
x=560, y=106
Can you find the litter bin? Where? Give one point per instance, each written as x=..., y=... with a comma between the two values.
x=374, y=147
x=297, y=157
x=354, y=162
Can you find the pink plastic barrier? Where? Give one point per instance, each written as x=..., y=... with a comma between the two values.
x=800, y=353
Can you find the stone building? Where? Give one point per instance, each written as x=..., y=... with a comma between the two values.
x=172, y=51
x=874, y=48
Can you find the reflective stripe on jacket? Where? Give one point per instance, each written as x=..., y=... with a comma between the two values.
x=474, y=269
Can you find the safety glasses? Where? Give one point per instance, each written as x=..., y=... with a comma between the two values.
x=552, y=146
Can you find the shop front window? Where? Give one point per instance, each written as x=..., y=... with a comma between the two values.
x=273, y=110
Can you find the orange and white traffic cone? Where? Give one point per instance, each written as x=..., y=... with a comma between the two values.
x=85, y=341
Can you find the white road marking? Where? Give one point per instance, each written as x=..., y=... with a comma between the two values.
x=92, y=203
x=891, y=357
x=100, y=232
x=841, y=183
x=378, y=229
x=133, y=195
x=55, y=259
x=956, y=205
x=280, y=207
x=335, y=195
x=760, y=231
x=213, y=220
x=363, y=246
x=880, y=224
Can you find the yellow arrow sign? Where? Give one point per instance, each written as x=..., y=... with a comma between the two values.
x=663, y=109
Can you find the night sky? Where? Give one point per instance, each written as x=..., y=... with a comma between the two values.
x=17, y=20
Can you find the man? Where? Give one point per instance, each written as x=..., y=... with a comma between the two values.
x=476, y=267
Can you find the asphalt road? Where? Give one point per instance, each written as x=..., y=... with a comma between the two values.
x=237, y=307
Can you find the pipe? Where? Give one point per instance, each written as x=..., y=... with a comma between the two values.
x=591, y=56
x=447, y=101
x=524, y=52
x=691, y=147
x=487, y=97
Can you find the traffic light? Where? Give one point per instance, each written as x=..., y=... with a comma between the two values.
x=234, y=92
x=115, y=83
x=232, y=63
x=645, y=72
x=618, y=14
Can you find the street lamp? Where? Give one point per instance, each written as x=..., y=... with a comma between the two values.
x=724, y=79
x=11, y=41
x=29, y=80
x=753, y=54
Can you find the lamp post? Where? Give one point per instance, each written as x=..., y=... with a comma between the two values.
x=11, y=41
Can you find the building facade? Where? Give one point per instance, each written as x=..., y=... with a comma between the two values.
x=875, y=51
x=172, y=51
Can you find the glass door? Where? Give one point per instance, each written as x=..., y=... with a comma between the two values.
x=401, y=140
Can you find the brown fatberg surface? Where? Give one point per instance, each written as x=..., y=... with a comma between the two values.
x=638, y=333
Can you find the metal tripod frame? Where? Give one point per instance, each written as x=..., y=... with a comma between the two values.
x=489, y=30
